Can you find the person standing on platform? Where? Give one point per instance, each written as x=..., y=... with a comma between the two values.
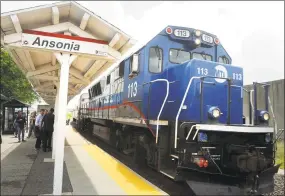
x=21, y=121
x=32, y=123
x=38, y=124
x=15, y=128
x=47, y=130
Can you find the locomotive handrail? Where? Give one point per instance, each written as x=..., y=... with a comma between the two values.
x=275, y=123
x=166, y=96
x=249, y=104
x=183, y=100
x=179, y=110
x=252, y=107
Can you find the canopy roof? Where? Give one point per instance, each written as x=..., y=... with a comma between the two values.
x=64, y=20
x=14, y=103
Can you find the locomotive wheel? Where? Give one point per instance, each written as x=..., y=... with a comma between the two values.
x=139, y=157
x=119, y=140
x=118, y=145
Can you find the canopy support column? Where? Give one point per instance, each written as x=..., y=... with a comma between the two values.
x=27, y=119
x=55, y=122
x=65, y=60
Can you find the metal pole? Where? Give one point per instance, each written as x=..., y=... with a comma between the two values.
x=27, y=121
x=65, y=60
x=55, y=123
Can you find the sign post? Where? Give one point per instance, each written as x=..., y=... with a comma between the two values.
x=65, y=60
x=55, y=122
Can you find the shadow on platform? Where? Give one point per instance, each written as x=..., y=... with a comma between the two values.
x=24, y=171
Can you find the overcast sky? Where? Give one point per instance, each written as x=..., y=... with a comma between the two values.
x=251, y=32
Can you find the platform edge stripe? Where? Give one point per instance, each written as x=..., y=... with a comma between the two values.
x=120, y=177
x=119, y=162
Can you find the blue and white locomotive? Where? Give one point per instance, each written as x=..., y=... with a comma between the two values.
x=177, y=105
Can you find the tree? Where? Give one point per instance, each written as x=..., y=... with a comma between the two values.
x=13, y=81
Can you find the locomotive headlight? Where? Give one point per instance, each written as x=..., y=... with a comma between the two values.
x=264, y=116
x=214, y=112
x=198, y=33
x=197, y=41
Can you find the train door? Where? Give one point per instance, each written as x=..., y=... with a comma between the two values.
x=154, y=91
x=133, y=85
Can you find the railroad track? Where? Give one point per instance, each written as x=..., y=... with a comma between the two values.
x=162, y=182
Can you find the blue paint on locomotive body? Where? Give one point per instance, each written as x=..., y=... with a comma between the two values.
x=148, y=98
x=214, y=92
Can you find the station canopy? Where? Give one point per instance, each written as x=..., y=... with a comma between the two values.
x=32, y=36
x=14, y=103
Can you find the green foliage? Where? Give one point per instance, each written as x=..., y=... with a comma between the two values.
x=68, y=115
x=280, y=154
x=13, y=81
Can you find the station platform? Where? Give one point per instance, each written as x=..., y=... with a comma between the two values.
x=88, y=170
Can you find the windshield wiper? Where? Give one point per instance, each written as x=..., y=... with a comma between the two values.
x=157, y=53
x=203, y=55
x=178, y=51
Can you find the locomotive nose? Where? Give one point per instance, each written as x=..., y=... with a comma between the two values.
x=215, y=92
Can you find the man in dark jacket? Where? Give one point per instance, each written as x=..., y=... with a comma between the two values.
x=47, y=129
x=21, y=121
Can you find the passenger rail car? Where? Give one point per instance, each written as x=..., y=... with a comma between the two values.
x=177, y=105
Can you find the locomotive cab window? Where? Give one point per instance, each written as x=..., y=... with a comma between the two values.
x=121, y=69
x=134, y=65
x=223, y=59
x=155, y=60
x=108, y=79
x=179, y=56
x=201, y=56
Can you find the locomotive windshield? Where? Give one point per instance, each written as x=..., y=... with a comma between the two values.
x=201, y=56
x=223, y=59
x=178, y=56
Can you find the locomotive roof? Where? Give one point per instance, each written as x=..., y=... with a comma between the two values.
x=138, y=47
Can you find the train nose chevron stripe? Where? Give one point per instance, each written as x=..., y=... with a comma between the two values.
x=128, y=180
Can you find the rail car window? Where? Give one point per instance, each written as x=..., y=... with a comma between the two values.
x=155, y=60
x=179, y=56
x=89, y=92
x=121, y=69
x=96, y=90
x=223, y=59
x=93, y=91
x=108, y=79
x=201, y=56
